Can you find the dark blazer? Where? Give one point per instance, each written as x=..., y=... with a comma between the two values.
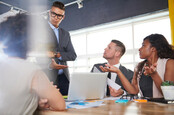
x=128, y=73
x=65, y=48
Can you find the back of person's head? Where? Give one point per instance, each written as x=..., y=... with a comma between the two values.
x=13, y=35
x=164, y=49
x=59, y=5
x=119, y=46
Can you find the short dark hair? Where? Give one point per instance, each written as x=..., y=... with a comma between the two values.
x=59, y=5
x=120, y=45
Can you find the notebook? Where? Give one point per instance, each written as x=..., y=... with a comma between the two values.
x=84, y=86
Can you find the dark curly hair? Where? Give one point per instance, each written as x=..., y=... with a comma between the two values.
x=13, y=35
x=164, y=49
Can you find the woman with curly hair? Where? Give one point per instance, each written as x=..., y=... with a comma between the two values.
x=157, y=67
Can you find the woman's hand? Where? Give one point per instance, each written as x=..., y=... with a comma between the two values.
x=43, y=103
x=150, y=70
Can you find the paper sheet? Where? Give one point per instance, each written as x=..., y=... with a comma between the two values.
x=95, y=70
x=83, y=104
x=113, y=84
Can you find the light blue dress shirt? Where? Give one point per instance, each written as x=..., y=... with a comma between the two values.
x=56, y=31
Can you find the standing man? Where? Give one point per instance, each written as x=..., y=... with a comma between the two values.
x=61, y=49
x=113, y=52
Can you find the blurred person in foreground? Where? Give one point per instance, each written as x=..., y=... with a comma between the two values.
x=22, y=83
x=158, y=66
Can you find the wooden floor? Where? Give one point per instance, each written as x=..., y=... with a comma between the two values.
x=112, y=108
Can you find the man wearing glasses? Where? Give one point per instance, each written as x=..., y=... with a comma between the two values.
x=62, y=49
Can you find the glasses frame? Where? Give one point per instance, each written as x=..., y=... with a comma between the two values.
x=53, y=14
x=130, y=97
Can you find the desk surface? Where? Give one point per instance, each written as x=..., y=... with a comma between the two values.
x=112, y=108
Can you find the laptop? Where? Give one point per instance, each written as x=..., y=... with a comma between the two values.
x=85, y=86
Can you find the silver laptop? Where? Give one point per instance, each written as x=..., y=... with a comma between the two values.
x=85, y=86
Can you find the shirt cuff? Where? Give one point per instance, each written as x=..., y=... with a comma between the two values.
x=125, y=93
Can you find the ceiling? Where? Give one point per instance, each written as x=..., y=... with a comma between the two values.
x=28, y=5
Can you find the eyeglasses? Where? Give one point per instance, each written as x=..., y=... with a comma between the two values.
x=129, y=96
x=59, y=16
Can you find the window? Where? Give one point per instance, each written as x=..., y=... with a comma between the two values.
x=89, y=43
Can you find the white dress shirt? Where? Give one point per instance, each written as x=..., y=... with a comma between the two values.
x=114, y=75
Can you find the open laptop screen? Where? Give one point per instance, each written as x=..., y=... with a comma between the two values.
x=87, y=86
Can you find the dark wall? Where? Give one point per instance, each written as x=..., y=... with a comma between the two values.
x=96, y=12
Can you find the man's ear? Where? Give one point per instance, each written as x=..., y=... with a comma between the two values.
x=49, y=13
x=117, y=53
x=63, y=17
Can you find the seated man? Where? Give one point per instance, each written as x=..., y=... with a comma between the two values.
x=113, y=52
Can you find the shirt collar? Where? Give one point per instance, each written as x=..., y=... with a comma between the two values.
x=51, y=25
x=116, y=65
